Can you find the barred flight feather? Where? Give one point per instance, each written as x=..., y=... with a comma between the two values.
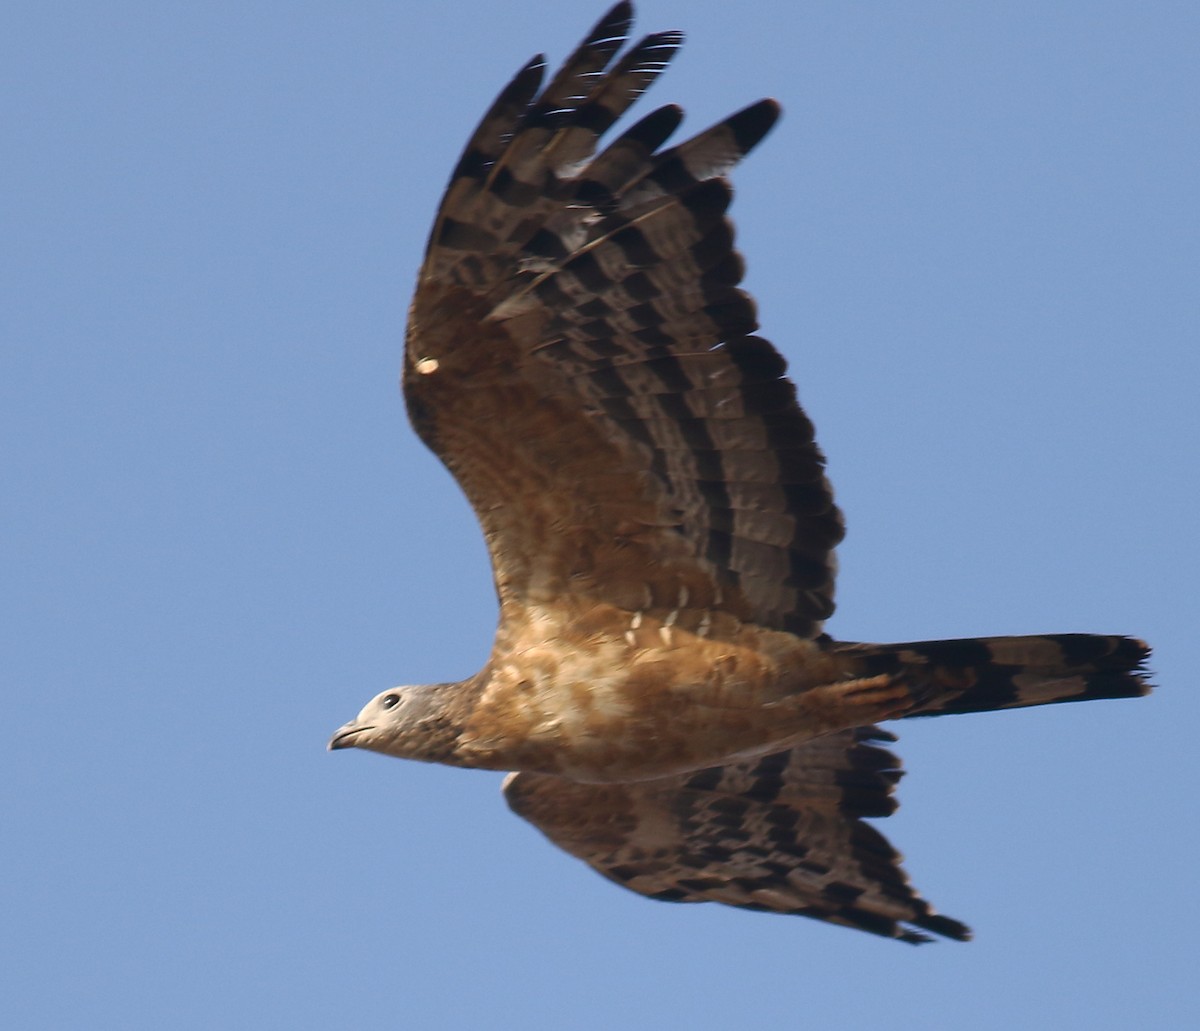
x=617, y=278
x=781, y=833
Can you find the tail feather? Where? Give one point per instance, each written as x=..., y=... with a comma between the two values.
x=982, y=674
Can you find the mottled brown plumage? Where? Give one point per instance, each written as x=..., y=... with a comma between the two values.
x=661, y=530
x=782, y=832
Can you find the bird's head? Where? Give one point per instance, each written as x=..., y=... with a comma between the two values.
x=412, y=722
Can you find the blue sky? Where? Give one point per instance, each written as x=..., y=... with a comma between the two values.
x=975, y=235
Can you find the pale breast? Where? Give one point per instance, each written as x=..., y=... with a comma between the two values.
x=600, y=693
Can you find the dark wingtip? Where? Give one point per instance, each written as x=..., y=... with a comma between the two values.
x=614, y=24
x=752, y=123
x=947, y=927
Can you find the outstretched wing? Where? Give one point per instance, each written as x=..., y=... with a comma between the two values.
x=782, y=833
x=581, y=358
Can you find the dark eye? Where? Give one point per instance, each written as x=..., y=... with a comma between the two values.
x=390, y=701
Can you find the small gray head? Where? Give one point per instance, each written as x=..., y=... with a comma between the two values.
x=413, y=722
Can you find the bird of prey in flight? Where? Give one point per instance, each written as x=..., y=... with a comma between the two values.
x=661, y=529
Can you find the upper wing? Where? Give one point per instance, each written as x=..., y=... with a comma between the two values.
x=782, y=833
x=579, y=356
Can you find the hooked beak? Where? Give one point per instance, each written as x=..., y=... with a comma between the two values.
x=344, y=738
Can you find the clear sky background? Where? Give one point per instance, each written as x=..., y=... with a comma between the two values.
x=975, y=235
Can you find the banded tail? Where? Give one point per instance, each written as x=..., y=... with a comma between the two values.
x=982, y=674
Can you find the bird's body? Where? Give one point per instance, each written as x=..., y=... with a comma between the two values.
x=661, y=529
x=610, y=695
